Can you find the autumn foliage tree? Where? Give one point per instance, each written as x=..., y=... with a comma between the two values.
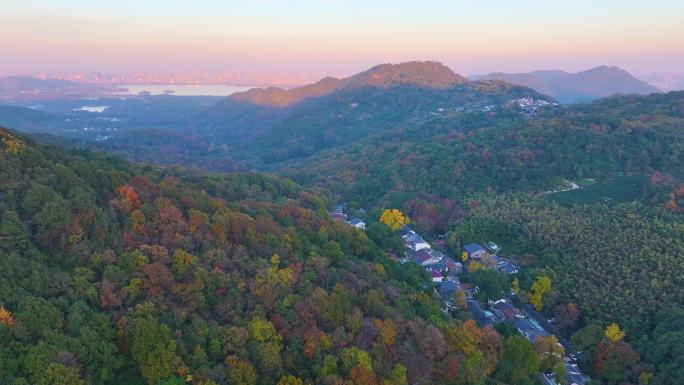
x=613, y=333
x=240, y=372
x=6, y=317
x=616, y=362
x=393, y=218
x=289, y=380
x=551, y=354
x=271, y=282
x=121, y=273
x=130, y=200
x=566, y=316
x=540, y=287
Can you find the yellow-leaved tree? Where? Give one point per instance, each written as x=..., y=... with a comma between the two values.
x=6, y=317
x=539, y=288
x=614, y=333
x=14, y=146
x=393, y=218
x=272, y=282
x=460, y=300
x=474, y=266
x=515, y=286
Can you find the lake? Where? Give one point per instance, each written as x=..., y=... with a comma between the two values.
x=183, y=89
x=94, y=109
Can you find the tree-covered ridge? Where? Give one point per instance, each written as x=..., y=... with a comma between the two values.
x=267, y=135
x=424, y=74
x=614, y=263
x=114, y=273
x=503, y=150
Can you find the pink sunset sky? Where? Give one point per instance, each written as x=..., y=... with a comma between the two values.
x=338, y=37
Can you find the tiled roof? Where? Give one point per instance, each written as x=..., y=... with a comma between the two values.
x=473, y=248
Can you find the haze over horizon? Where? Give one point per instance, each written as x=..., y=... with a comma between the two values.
x=337, y=37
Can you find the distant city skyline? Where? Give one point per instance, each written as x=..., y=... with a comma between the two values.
x=308, y=39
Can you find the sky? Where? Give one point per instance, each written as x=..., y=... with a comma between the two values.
x=338, y=37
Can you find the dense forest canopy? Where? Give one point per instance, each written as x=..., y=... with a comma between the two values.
x=117, y=273
x=610, y=261
x=617, y=264
x=504, y=150
x=264, y=135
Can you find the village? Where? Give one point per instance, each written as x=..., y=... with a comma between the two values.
x=446, y=274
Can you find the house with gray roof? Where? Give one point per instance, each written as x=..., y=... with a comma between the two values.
x=474, y=250
x=530, y=329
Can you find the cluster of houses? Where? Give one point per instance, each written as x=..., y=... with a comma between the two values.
x=444, y=273
x=338, y=214
x=444, y=270
x=529, y=106
x=441, y=268
x=487, y=255
x=503, y=310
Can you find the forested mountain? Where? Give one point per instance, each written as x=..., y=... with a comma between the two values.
x=615, y=261
x=582, y=86
x=260, y=128
x=115, y=273
x=503, y=150
x=264, y=127
x=421, y=74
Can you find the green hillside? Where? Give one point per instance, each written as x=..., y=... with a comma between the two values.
x=115, y=273
x=504, y=150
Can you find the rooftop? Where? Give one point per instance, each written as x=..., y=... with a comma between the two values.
x=432, y=253
x=415, y=238
x=482, y=316
x=446, y=288
x=405, y=230
x=530, y=329
x=507, y=309
x=435, y=274
x=473, y=248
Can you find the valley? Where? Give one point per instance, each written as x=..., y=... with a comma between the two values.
x=341, y=192
x=202, y=220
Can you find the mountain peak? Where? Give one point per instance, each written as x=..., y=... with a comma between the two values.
x=429, y=74
x=606, y=69
x=426, y=74
x=587, y=85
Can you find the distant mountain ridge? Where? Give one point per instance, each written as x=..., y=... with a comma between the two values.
x=428, y=74
x=273, y=125
x=582, y=86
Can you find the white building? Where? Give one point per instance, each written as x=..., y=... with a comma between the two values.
x=415, y=242
x=359, y=224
